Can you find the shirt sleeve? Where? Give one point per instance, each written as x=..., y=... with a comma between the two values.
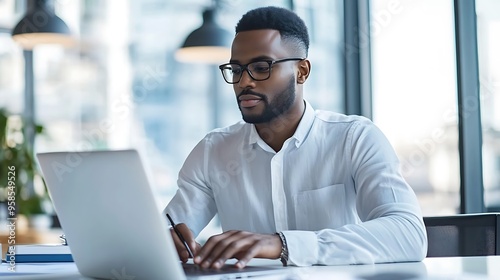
x=391, y=227
x=193, y=203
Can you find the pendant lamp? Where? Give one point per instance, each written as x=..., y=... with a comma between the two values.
x=40, y=25
x=209, y=43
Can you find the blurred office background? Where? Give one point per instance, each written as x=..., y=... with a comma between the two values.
x=122, y=87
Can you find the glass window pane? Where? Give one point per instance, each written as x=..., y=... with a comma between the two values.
x=325, y=86
x=11, y=59
x=11, y=75
x=414, y=95
x=488, y=30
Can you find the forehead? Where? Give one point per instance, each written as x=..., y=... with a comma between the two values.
x=248, y=45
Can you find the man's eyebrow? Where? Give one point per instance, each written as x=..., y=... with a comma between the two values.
x=258, y=58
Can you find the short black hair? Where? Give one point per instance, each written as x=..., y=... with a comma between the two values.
x=289, y=24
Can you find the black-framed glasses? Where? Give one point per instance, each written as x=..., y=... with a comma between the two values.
x=258, y=70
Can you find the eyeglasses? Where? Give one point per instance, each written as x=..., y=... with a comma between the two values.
x=258, y=70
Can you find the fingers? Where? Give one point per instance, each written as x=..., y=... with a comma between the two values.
x=188, y=237
x=240, y=245
x=181, y=251
x=219, y=248
x=179, y=245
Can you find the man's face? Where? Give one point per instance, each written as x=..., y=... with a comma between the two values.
x=262, y=101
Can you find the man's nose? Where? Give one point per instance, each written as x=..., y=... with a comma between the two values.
x=246, y=80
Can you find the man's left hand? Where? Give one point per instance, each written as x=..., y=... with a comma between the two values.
x=240, y=245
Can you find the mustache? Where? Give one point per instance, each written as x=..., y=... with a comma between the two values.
x=250, y=92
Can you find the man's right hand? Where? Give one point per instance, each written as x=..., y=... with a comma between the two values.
x=188, y=236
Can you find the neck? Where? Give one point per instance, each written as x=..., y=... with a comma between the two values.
x=278, y=130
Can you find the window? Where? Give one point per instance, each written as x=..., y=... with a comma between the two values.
x=11, y=74
x=415, y=95
x=488, y=28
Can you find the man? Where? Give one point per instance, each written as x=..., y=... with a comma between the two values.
x=309, y=187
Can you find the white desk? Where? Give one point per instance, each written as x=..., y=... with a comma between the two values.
x=431, y=268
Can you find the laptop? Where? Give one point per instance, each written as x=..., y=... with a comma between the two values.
x=111, y=221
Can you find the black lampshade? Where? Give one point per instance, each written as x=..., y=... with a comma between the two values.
x=208, y=44
x=40, y=25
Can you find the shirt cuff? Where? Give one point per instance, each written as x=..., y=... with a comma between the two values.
x=302, y=247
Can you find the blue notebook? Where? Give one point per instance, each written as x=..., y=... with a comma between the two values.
x=40, y=253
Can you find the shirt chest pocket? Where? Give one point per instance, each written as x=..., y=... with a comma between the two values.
x=321, y=208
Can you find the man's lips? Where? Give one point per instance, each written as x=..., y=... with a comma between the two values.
x=247, y=101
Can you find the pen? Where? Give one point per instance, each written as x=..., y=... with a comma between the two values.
x=180, y=236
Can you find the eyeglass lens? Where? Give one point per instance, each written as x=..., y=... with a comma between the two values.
x=258, y=70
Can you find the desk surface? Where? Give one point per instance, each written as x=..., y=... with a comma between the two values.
x=430, y=268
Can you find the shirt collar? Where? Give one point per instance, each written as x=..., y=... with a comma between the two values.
x=305, y=124
x=300, y=134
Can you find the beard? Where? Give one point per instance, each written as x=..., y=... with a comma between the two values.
x=281, y=103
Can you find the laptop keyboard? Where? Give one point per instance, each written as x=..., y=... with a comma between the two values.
x=195, y=270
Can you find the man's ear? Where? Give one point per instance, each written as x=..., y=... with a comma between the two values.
x=304, y=70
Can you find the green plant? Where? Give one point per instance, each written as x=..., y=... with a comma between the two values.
x=16, y=154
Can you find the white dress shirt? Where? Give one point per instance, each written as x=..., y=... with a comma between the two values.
x=334, y=190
